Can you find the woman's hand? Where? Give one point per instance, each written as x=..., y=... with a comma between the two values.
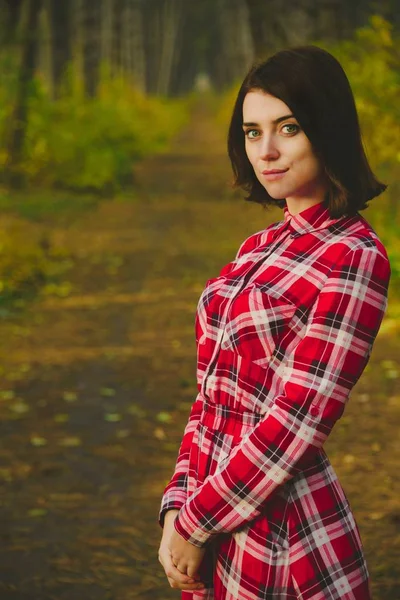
x=178, y=578
x=185, y=556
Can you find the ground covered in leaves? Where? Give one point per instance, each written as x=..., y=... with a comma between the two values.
x=98, y=378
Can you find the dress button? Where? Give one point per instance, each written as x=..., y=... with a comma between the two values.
x=314, y=411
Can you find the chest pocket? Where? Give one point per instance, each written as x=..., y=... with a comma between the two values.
x=256, y=324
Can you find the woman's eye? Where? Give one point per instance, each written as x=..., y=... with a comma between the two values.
x=249, y=133
x=294, y=127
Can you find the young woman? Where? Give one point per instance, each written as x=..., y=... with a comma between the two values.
x=254, y=509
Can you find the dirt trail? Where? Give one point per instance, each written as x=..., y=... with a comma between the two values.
x=97, y=386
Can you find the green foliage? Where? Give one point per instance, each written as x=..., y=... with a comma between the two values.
x=371, y=61
x=26, y=261
x=74, y=143
x=372, y=64
x=84, y=143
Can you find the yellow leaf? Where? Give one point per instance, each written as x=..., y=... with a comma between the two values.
x=159, y=433
x=70, y=442
x=38, y=441
x=375, y=516
x=61, y=418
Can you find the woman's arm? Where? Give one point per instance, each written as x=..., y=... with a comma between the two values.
x=174, y=496
x=317, y=379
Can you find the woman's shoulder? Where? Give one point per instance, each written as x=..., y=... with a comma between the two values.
x=360, y=235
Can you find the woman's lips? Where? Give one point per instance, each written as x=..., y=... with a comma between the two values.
x=274, y=174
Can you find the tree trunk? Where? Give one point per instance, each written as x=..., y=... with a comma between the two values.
x=107, y=15
x=138, y=50
x=237, y=45
x=126, y=42
x=60, y=19
x=259, y=17
x=11, y=15
x=329, y=20
x=77, y=46
x=117, y=36
x=45, y=62
x=91, y=46
x=20, y=115
x=171, y=16
x=152, y=35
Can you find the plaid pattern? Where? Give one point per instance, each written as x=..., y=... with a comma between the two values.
x=283, y=334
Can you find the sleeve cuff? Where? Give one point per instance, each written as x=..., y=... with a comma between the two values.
x=173, y=500
x=190, y=530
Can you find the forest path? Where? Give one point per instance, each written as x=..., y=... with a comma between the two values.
x=97, y=387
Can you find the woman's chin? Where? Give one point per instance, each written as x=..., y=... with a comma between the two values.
x=275, y=193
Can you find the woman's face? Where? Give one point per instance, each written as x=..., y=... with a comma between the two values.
x=275, y=141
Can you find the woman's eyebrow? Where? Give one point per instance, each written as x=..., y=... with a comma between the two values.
x=275, y=121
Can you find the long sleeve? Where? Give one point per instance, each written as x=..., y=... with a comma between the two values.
x=175, y=493
x=317, y=379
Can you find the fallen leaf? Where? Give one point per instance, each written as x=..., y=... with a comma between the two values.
x=163, y=417
x=38, y=441
x=112, y=417
x=123, y=433
x=363, y=398
x=7, y=395
x=70, y=396
x=136, y=411
x=19, y=407
x=394, y=401
x=5, y=474
x=392, y=374
x=159, y=433
x=37, y=512
x=107, y=392
x=388, y=364
x=61, y=418
x=375, y=516
x=70, y=442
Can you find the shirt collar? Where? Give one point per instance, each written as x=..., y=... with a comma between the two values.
x=312, y=218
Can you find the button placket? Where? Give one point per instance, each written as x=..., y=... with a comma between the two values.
x=250, y=278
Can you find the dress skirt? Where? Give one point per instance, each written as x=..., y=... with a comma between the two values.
x=305, y=545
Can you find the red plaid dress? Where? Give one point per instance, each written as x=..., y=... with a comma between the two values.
x=283, y=334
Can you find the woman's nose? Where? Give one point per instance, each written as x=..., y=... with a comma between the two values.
x=268, y=148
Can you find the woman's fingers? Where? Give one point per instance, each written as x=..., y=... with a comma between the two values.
x=181, y=579
x=177, y=579
x=189, y=587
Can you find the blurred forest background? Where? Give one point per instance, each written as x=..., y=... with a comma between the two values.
x=116, y=206
x=81, y=80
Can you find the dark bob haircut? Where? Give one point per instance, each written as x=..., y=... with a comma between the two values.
x=312, y=83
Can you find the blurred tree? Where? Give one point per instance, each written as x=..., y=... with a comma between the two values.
x=107, y=20
x=11, y=14
x=171, y=18
x=163, y=45
x=91, y=44
x=61, y=39
x=138, y=50
x=162, y=34
x=236, y=51
x=19, y=120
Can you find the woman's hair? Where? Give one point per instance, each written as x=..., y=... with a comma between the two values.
x=314, y=86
